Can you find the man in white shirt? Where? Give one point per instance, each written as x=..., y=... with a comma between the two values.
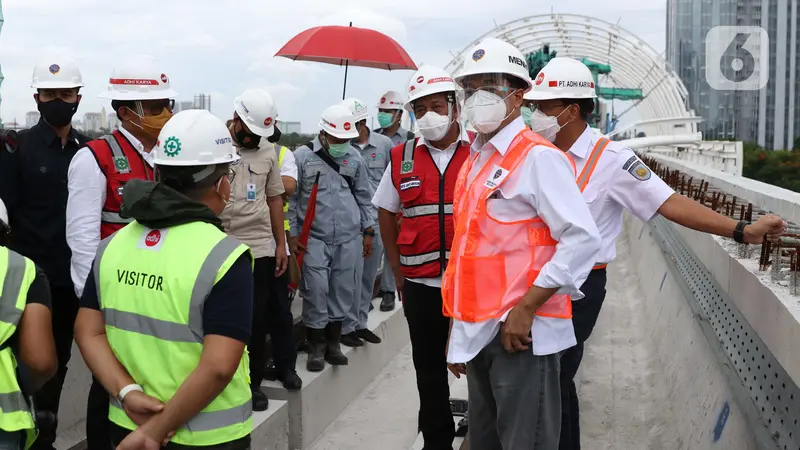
x=612, y=180
x=524, y=242
x=420, y=183
x=140, y=94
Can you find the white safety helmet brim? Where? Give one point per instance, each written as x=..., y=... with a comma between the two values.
x=564, y=77
x=493, y=56
x=556, y=95
x=56, y=85
x=341, y=134
x=132, y=96
x=206, y=138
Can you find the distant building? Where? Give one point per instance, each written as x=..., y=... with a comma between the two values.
x=103, y=118
x=202, y=101
x=32, y=118
x=77, y=124
x=112, y=122
x=91, y=122
x=289, y=127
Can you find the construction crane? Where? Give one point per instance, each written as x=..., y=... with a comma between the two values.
x=538, y=59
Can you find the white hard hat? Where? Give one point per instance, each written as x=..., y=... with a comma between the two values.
x=3, y=212
x=194, y=137
x=391, y=100
x=56, y=72
x=493, y=56
x=563, y=78
x=339, y=122
x=138, y=78
x=357, y=107
x=257, y=110
x=426, y=81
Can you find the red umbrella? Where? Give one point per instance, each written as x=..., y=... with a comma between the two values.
x=311, y=212
x=348, y=46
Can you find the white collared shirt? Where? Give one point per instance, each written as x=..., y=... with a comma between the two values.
x=87, y=195
x=543, y=185
x=386, y=196
x=615, y=186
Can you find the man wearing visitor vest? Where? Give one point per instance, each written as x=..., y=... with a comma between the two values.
x=27, y=349
x=167, y=308
x=420, y=183
x=612, y=179
x=524, y=242
x=140, y=95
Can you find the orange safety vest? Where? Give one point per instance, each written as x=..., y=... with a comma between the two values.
x=493, y=263
x=588, y=170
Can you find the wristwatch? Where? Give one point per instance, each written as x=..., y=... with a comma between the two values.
x=738, y=232
x=369, y=232
x=127, y=390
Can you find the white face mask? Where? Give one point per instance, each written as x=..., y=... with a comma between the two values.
x=435, y=126
x=486, y=111
x=546, y=126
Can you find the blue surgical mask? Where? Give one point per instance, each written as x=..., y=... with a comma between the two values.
x=338, y=150
x=385, y=119
x=526, y=115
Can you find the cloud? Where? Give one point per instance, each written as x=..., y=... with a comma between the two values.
x=221, y=48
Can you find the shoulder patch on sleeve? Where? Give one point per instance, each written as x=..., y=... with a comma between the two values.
x=640, y=171
x=629, y=162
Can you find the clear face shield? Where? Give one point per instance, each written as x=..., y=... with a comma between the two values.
x=484, y=100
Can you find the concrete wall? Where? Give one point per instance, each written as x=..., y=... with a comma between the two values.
x=698, y=391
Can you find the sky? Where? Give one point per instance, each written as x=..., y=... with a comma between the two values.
x=222, y=48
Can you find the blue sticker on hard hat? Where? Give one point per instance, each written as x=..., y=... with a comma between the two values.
x=54, y=69
x=478, y=55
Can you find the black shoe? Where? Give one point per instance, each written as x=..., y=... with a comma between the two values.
x=371, y=306
x=351, y=340
x=291, y=381
x=260, y=401
x=270, y=372
x=333, y=351
x=368, y=336
x=316, y=357
x=387, y=302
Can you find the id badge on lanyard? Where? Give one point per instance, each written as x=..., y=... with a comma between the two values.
x=251, y=192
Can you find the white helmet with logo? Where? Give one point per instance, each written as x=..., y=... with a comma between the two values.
x=426, y=81
x=56, y=72
x=563, y=78
x=357, y=107
x=391, y=100
x=257, y=110
x=493, y=56
x=339, y=122
x=194, y=137
x=138, y=78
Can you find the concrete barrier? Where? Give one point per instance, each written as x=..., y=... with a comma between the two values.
x=707, y=409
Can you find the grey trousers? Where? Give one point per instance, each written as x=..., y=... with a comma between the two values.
x=366, y=270
x=328, y=285
x=514, y=400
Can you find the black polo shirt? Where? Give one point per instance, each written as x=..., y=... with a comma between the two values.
x=33, y=185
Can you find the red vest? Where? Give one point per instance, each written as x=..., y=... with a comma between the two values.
x=119, y=162
x=426, y=196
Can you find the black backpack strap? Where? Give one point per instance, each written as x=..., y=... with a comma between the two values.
x=323, y=155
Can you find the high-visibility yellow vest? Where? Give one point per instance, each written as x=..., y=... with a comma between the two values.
x=281, y=154
x=17, y=274
x=151, y=285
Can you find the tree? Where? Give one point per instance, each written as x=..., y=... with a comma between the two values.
x=777, y=167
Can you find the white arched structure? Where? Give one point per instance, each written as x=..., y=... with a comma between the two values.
x=634, y=64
